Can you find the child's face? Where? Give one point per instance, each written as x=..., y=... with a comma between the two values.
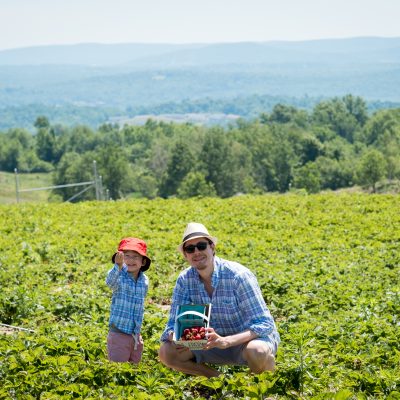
x=133, y=260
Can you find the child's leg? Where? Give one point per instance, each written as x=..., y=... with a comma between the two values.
x=137, y=350
x=119, y=346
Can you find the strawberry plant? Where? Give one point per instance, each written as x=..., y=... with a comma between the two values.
x=327, y=265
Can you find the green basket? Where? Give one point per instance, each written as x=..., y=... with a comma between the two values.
x=190, y=315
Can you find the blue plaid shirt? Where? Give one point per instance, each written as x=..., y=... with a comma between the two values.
x=127, y=303
x=237, y=301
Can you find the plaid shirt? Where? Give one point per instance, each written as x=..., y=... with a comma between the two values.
x=237, y=302
x=127, y=303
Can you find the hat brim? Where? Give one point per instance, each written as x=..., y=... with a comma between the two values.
x=212, y=238
x=143, y=268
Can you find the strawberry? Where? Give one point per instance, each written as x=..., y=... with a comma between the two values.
x=194, y=333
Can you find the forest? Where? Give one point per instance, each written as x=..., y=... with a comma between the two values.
x=339, y=143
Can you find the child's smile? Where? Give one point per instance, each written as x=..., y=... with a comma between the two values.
x=133, y=261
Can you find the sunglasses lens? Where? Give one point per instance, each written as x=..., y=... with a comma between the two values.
x=202, y=246
x=191, y=248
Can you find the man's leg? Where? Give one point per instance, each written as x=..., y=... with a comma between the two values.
x=259, y=356
x=182, y=359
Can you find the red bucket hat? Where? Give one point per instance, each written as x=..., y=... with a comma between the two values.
x=137, y=245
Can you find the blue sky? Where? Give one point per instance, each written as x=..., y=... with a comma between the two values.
x=26, y=23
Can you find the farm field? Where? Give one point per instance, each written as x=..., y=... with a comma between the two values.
x=26, y=181
x=328, y=266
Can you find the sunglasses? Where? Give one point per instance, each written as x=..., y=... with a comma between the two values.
x=201, y=246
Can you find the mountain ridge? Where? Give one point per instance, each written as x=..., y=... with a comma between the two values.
x=125, y=54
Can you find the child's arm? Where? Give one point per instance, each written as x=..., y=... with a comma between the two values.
x=112, y=277
x=113, y=274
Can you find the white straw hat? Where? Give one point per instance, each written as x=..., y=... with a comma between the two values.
x=195, y=230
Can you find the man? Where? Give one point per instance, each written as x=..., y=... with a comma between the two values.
x=242, y=330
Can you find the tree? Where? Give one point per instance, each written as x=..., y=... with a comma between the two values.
x=178, y=167
x=344, y=116
x=114, y=169
x=41, y=122
x=74, y=168
x=371, y=169
x=381, y=122
x=46, y=145
x=335, y=174
x=357, y=107
x=195, y=184
x=147, y=186
x=283, y=114
x=311, y=148
x=216, y=162
x=10, y=155
x=307, y=177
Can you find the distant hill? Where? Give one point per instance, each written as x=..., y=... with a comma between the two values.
x=89, y=54
x=96, y=82
x=353, y=50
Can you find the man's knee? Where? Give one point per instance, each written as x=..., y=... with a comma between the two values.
x=171, y=357
x=259, y=357
x=164, y=353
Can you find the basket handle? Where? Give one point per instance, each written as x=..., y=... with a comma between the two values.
x=193, y=313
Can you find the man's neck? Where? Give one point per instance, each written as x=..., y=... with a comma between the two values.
x=206, y=273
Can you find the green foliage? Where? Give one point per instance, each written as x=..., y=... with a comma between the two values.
x=179, y=165
x=195, y=185
x=327, y=265
x=308, y=177
x=274, y=153
x=344, y=116
x=372, y=168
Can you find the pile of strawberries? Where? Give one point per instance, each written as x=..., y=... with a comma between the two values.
x=194, y=333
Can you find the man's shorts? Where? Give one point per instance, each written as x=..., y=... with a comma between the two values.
x=121, y=348
x=230, y=356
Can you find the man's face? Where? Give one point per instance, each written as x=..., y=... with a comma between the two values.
x=199, y=259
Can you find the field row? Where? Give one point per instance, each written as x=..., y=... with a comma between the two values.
x=328, y=267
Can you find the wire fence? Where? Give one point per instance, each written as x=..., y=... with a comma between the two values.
x=96, y=183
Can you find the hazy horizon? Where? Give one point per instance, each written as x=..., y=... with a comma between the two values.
x=24, y=23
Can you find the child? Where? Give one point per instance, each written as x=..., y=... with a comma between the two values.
x=129, y=285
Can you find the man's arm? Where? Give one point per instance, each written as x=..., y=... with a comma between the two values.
x=252, y=306
x=179, y=297
x=223, y=342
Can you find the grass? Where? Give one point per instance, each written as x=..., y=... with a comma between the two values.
x=26, y=181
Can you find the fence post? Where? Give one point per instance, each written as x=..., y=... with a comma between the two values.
x=96, y=184
x=101, y=188
x=16, y=184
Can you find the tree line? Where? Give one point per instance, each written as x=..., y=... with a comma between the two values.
x=335, y=145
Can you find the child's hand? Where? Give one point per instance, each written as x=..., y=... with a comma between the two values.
x=119, y=259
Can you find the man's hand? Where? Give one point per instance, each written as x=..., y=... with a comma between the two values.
x=178, y=347
x=215, y=340
x=119, y=259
